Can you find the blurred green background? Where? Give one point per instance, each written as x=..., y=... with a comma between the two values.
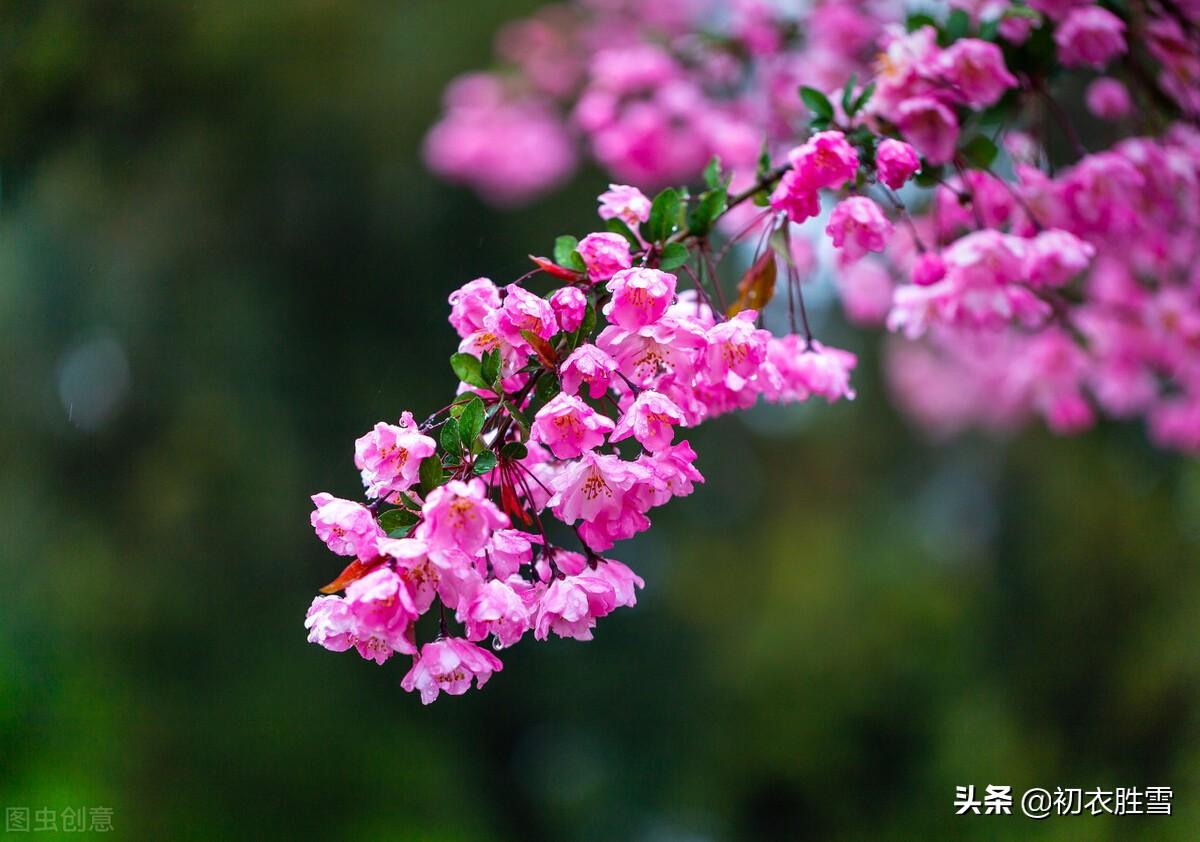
x=221, y=261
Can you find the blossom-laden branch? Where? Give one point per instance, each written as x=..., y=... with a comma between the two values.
x=1024, y=290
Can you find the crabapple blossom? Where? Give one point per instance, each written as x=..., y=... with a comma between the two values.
x=448, y=666
x=570, y=305
x=591, y=365
x=389, y=456
x=604, y=255
x=896, y=162
x=346, y=527
x=640, y=297
x=858, y=225
x=459, y=516
x=625, y=203
x=930, y=126
x=1027, y=278
x=568, y=426
x=1090, y=36
x=975, y=71
x=825, y=160
x=1108, y=98
x=650, y=419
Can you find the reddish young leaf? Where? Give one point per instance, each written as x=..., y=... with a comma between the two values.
x=354, y=570
x=545, y=351
x=551, y=268
x=757, y=285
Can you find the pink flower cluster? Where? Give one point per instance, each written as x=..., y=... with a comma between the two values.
x=649, y=101
x=581, y=426
x=1049, y=311
x=1020, y=289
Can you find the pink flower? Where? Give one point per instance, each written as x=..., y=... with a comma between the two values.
x=1057, y=9
x=671, y=472
x=604, y=254
x=347, y=528
x=857, y=226
x=866, y=292
x=496, y=610
x=568, y=426
x=587, y=364
x=598, y=489
x=624, y=581
x=330, y=623
x=509, y=550
x=414, y=566
x=824, y=160
x=448, y=665
x=896, y=162
x=471, y=304
x=984, y=259
x=389, y=456
x=928, y=269
x=510, y=150
x=1054, y=257
x=626, y=203
x=930, y=126
x=736, y=348
x=1175, y=423
x=976, y=71
x=640, y=297
x=1090, y=37
x=571, y=605
x=383, y=610
x=1016, y=29
x=650, y=419
x=458, y=515
x=795, y=198
x=825, y=372
x=569, y=304
x=1108, y=98
x=522, y=310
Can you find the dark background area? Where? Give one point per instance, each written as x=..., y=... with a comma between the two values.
x=221, y=261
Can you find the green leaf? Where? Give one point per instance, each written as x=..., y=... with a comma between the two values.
x=618, y=226
x=546, y=388
x=401, y=532
x=664, y=214
x=1021, y=12
x=764, y=161
x=817, y=103
x=914, y=22
x=514, y=450
x=713, y=175
x=397, y=519
x=467, y=368
x=484, y=463
x=585, y=327
x=517, y=416
x=674, y=255
x=862, y=98
x=471, y=421
x=490, y=367
x=712, y=205
x=565, y=254
x=431, y=474
x=928, y=175
x=409, y=502
x=848, y=93
x=451, y=442
x=958, y=26
x=979, y=152
x=564, y=246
